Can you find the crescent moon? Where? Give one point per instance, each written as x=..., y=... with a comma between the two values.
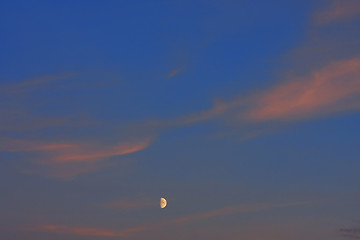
x=163, y=202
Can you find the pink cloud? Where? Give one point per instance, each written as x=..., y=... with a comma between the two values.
x=89, y=153
x=176, y=71
x=323, y=91
x=334, y=88
x=96, y=232
x=67, y=160
x=338, y=10
x=75, y=152
x=233, y=210
x=174, y=222
x=35, y=82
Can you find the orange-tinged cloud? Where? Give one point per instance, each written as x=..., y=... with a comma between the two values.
x=174, y=222
x=324, y=91
x=91, y=153
x=218, y=109
x=75, y=152
x=338, y=10
x=67, y=160
x=96, y=232
x=54, y=146
x=12, y=145
x=331, y=89
x=35, y=82
x=66, y=171
x=233, y=210
x=175, y=72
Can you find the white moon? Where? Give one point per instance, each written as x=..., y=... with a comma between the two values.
x=163, y=202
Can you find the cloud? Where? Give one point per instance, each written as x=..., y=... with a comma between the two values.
x=334, y=88
x=75, y=152
x=175, y=222
x=59, y=159
x=66, y=171
x=67, y=160
x=15, y=145
x=353, y=233
x=19, y=121
x=96, y=232
x=176, y=71
x=131, y=204
x=234, y=209
x=328, y=90
x=90, y=153
x=327, y=82
x=35, y=83
x=338, y=10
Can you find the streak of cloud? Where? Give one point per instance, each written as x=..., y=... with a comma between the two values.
x=21, y=121
x=353, y=233
x=75, y=152
x=96, y=232
x=66, y=171
x=338, y=10
x=67, y=160
x=35, y=83
x=175, y=222
x=92, y=153
x=176, y=71
x=131, y=204
x=331, y=89
x=331, y=86
x=324, y=91
x=59, y=159
x=233, y=210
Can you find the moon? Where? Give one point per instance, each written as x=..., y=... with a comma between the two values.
x=163, y=202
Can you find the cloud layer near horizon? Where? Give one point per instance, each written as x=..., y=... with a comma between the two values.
x=242, y=208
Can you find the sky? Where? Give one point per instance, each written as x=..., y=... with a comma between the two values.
x=243, y=114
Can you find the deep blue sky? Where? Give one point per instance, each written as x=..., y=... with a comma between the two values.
x=243, y=114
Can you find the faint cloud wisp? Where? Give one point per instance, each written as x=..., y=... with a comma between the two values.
x=353, y=233
x=66, y=160
x=338, y=10
x=131, y=204
x=174, y=222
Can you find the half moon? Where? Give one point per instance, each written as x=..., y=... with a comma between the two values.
x=163, y=202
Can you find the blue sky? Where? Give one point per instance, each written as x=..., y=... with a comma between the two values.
x=243, y=114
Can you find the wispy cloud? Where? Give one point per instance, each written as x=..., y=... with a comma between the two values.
x=19, y=120
x=353, y=233
x=327, y=90
x=132, y=204
x=338, y=10
x=331, y=89
x=66, y=171
x=60, y=159
x=176, y=71
x=75, y=152
x=331, y=86
x=235, y=209
x=66, y=160
x=174, y=222
x=34, y=83
x=96, y=232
